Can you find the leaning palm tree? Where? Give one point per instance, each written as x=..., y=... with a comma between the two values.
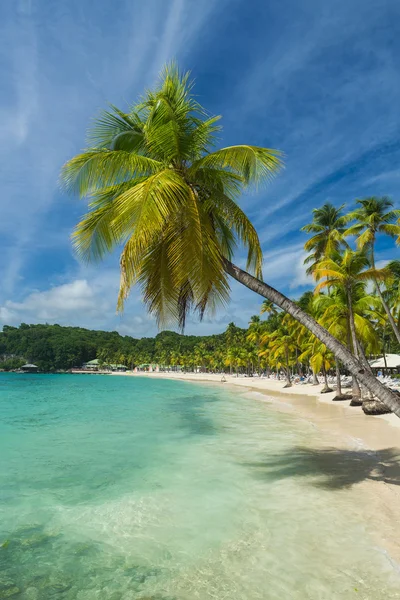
x=327, y=227
x=372, y=217
x=157, y=187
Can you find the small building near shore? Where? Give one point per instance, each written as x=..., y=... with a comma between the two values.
x=96, y=365
x=29, y=368
x=146, y=368
x=92, y=365
x=388, y=363
x=121, y=368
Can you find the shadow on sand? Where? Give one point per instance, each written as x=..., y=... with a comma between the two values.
x=331, y=468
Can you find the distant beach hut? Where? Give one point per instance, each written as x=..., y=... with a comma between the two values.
x=29, y=368
x=92, y=365
x=96, y=365
x=121, y=368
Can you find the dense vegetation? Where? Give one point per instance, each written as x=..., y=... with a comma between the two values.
x=53, y=347
x=355, y=301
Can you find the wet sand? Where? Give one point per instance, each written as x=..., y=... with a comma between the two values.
x=369, y=444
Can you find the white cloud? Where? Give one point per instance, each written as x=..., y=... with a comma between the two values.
x=285, y=267
x=88, y=300
x=61, y=302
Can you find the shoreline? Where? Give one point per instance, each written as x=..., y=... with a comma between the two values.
x=371, y=442
x=305, y=399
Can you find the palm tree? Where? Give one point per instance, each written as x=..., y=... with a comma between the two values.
x=175, y=358
x=157, y=188
x=348, y=272
x=254, y=335
x=375, y=215
x=328, y=227
x=201, y=356
x=249, y=357
x=282, y=348
x=321, y=359
x=233, y=358
x=268, y=307
x=334, y=314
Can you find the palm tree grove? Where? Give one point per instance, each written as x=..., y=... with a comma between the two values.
x=161, y=192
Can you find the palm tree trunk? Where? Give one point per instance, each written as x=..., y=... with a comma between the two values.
x=365, y=362
x=340, y=351
x=384, y=352
x=387, y=311
x=315, y=378
x=326, y=387
x=356, y=389
x=363, y=358
x=338, y=380
x=287, y=370
x=384, y=304
x=352, y=325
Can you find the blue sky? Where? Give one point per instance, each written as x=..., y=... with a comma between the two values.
x=317, y=79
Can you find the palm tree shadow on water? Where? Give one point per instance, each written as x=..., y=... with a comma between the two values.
x=331, y=468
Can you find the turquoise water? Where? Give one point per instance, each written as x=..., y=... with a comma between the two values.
x=118, y=488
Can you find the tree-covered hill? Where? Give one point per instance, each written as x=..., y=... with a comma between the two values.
x=53, y=347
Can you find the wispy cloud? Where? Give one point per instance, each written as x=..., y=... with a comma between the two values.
x=46, y=109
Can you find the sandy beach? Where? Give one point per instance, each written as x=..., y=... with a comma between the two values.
x=371, y=444
x=305, y=399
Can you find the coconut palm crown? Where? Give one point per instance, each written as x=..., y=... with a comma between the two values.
x=157, y=187
x=374, y=215
x=327, y=227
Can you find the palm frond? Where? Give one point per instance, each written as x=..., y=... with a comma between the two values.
x=256, y=165
x=95, y=169
x=237, y=220
x=111, y=124
x=95, y=236
x=390, y=229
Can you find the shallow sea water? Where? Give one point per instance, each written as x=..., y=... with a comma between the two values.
x=118, y=488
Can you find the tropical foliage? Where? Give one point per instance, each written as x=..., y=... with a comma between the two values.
x=158, y=188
